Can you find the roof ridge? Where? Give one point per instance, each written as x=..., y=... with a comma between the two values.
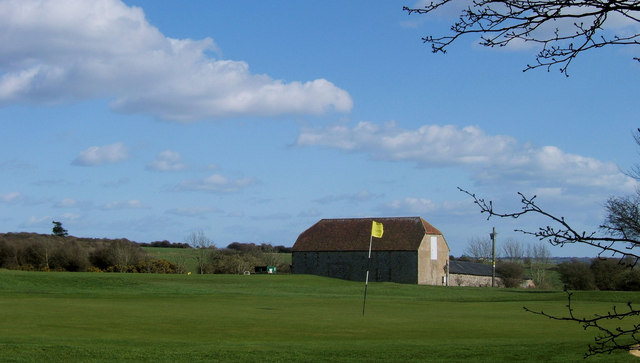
x=354, y=234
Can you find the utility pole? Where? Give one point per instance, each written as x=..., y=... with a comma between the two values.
x=493, y=257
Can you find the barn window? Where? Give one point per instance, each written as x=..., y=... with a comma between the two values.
x=434, y=248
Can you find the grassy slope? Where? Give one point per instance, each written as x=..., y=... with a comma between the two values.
x=181, y=256
x=187, y=256
x=141, y=317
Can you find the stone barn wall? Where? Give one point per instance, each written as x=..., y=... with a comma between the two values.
x=394, y=266
x=472, y=280
x=433, y=256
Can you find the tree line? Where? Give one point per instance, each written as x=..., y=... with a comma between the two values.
x=236, y=258
x=35, y=252
x=514, y=260
x=60, y=252
x=600, y=274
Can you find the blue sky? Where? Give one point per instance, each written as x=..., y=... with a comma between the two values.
x=252, y=120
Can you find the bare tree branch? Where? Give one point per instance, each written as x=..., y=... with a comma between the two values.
x=562, y=233
x=623, y=228
x=563, y=28
x=609, y=339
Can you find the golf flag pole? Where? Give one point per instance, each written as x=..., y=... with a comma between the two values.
x=376, y=231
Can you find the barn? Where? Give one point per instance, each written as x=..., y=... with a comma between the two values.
x=465, y=273
x=410, y=251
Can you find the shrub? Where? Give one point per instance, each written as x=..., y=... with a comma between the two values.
x=158, y=267
x=229, y=261
x=631, y=280
x=117, y=255
x=8, y=258
x=608, y=274
x=165, y=244
x=576, y=275
x=70, y=257
x=511, y=273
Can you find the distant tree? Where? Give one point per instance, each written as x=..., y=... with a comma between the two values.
x=118, y=254
x=623, y=218
x=36, y=255
x=164, y=244
x=539, y=258
x=561, y=29
x=243, y=247
x=576, y=275
x=608, y=273
x=512, y=250
x=70, y=256
x=58, y=230
x=200, y=241
x=480, y=249
x=540, y=253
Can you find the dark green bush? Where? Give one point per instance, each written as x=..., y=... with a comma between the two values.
x=8, y=257
x=70, y=257
x=576, y=275
x=511, y=273
x=631, y=280
x=117, y=255
x=608, y=274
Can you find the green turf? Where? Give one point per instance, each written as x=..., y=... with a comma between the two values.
x=82, y=317
x=187, y=257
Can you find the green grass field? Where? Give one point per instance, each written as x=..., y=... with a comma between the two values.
x=187, y=257
x=56, y=317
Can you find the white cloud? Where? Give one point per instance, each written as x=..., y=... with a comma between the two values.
x=37, y=222
x=216, y=183
x=362, y=196
x=74, y=203
x=489, y=158
x=129, y=204
x=309, y=213
x=428, y=145
x=56, y=51
x=424, y=206
x=117, y=183
x=192, y=211
x=70, y=216
x=98, y=155
x=167, y=161
x=67, y=203
x=11, y=197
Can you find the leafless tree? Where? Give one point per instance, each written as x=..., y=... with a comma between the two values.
x=203, y=244
x=480, y=249
x=540, y=253
x=618, y=236
x=559, y=232
x=561, y=29
x=512, y=250
x=539, y=257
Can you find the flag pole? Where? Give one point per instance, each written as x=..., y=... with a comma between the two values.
x=366, y=281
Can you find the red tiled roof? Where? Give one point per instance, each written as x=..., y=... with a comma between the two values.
x=352, y=234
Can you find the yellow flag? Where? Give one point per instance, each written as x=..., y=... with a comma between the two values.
x=376, y=229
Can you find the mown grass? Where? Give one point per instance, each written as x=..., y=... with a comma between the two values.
x=57, y=317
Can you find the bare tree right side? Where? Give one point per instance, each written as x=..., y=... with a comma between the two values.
x=203, y=245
